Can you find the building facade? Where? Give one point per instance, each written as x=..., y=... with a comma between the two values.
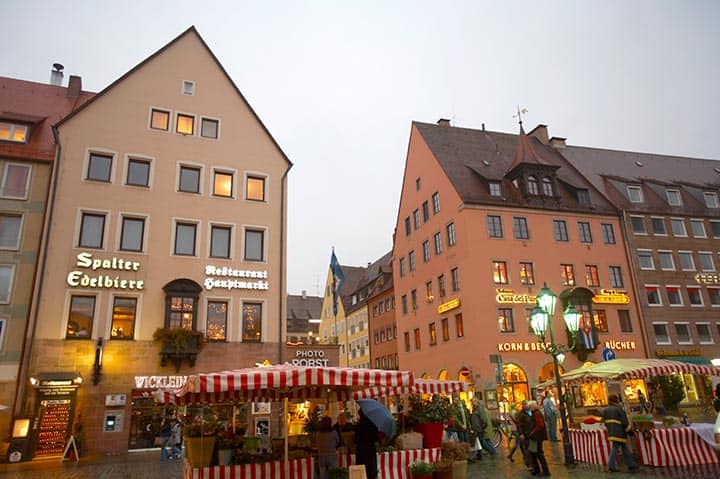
x=303, y=321
x=382, y=324
x=485, y=220
x=168, y=218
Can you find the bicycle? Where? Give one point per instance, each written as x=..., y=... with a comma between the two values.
x=501, y=428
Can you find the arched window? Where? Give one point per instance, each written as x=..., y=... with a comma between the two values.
x=532, y=185
x=547, y=187
x=515, y=387
x=181, y=303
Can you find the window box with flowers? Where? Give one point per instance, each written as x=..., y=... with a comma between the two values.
x=178, y=345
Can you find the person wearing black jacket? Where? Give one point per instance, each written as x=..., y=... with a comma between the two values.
x=618, y=426
x=535, y=436
x=366, y=435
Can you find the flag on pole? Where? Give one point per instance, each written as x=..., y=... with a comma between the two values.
x=337, y=279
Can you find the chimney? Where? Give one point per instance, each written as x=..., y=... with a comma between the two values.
x=541, y=133
x=557, y=142
x=74, y=86
x=304, y=294
x=444, y=122
x=56, y=75
x=483, y=127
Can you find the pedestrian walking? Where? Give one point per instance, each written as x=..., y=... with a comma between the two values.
x=328, y=440
x=525, y=425
x=482, y=427
x=643, y=402
x=515, y=430
x=165, y=434
x=618, y=426
x=536, y=436
x=551, y=416
x=176, y=439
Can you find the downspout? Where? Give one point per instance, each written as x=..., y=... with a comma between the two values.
x=281, y=289
x=641, y=314
x=26, y=352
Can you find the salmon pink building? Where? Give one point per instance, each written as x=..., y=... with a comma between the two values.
x=485, y=220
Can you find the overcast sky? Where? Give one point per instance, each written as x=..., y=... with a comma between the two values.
x=338, y=83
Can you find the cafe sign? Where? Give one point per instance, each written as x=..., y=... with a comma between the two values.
x=506, y=296
x=611, y=296
x=663, y=353
x=703, y=278
x=447, y=306
x=230, y=278
x=521, y=346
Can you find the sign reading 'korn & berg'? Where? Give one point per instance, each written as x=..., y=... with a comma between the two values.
x=230, y=278
x=100, y=273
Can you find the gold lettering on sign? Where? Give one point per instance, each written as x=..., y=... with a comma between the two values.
x=620, y=345
x=713, y=278
x=452, y=304
x=507, y=296
x=611, y=296
x=521, y=347
x=679, y=352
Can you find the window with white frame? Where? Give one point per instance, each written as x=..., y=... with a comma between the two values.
x=189, y=179
x=209, y=128
x=635, y=194
x=99, y=167
x=436, y=202
x=159, y=119
x=15, y=132
x=532, y=186
x=695, y=296
x=138, y=172
x=616, y=278
x=714, y=294
x=662, y=336
x=185, y=124
x=547, y=186
x=673, y=197
x=652, y=294
x=426, y=251
x=254, y=245
x=495, y=189
x=704, y=334
x=450, y=228
x=92, y=230
x=698, y=228
x=437, y=241
x=638, y=225
x=15, y=181
x=678, y=227
x=687, y=263
x=223, y=183
x=682, y=333
x=705, y=258
x=666, y=260
x=220, y=241
x=658, y=226
x=608, y=233
x=188, y=87
x=10, y=228
x=7, y=272
x=185, y=238
x=715, y=228
x=711, y=199
x=645, y=258
x=132, y=233
x=674, y=296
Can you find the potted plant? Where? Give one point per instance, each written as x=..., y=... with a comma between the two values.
x=421, y=470
x=227, y=442
x=337, y=473
x=455, y=455
x=178, y=344
x=428, y=416
x=199, y=436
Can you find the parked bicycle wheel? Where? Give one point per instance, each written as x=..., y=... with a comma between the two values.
x=497, y=437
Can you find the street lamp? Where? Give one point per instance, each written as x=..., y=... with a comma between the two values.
x=541, y=323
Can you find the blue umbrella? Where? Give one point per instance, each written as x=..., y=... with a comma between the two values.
x=379, y=415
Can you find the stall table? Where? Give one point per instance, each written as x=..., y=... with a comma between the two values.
x=395, y=464
x=299, y=469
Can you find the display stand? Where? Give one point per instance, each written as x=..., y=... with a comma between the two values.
x=71, y=442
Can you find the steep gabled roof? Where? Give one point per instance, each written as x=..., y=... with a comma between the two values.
x=304, y=307
x=189, y=31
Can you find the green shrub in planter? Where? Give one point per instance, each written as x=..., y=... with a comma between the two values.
x=338, y=473
x=421, y=468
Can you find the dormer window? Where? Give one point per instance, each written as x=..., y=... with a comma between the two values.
x=673, y=197
x=711, y=199
x=635, y=194
x=14, y=132
x=495, y=189
x=583, y=197
x=532, y=186
x=547, y=187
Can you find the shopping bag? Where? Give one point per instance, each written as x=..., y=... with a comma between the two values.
x=532, y=445
x=478, y=446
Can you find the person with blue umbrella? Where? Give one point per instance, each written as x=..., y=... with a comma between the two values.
x=374, y=417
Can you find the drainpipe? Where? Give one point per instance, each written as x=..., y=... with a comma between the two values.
x=281, y=290
x=634, y=281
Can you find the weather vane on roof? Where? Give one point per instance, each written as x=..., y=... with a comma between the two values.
x=519, y=115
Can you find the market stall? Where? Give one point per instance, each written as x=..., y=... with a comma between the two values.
x=657, y=445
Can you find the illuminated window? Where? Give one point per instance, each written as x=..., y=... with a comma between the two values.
x=10, y=231
x=527, y=273
x=138, y=172
x=445, y=329
x=592, y=277
x=189, y=179
x=600, y=319
x=500, y=272
x=433, y=333
x=506, y=322
x=567, y=273
x=209, y=128
x=252, y=322
x=217, y=320
x=13, y=132
x=254, y=245
x=123, y=318
x=255, y=188
x=80, y=317
x=416, y=333
x=15, y=181
x=131, y=236
x=181, y=313
x=92, y=229
x=7, y=272
x=223, y=184
x=185, y=239
x=459, y=330
x=220, y=241
x=185, y=124
x=159, y=119
x=99, y=167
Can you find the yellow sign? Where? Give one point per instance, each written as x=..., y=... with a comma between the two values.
x=506, y=296
x=521, y=347
x=620, y=345
x=452, y=304
x=680, y=352
x=708, y=278
x=611, y=296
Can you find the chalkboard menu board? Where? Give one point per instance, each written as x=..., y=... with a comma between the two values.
x=54, y=426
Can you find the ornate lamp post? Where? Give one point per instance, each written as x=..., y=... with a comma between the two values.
x=541, y=323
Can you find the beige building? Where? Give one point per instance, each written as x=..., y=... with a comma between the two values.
x=169, y=212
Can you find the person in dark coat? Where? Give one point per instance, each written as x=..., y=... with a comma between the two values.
x=525, y=425
x=617, y=424
x=366, y=436
x=536, y=436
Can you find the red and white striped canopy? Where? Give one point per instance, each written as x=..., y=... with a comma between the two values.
x=284, y=381
x=420, y=386
x=635, y=369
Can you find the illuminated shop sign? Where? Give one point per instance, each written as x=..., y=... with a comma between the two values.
x=96, y=276
x=506, y=296
x=620, y=345
x=611, y=296
x=452, y=304
x=679, y=352
x=159, y=382
x=310, y=358
x=713, y=278
x=522, y=347
x=229, y=278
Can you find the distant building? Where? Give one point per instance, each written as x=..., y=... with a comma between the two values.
x=382, y=327
x=303, y=321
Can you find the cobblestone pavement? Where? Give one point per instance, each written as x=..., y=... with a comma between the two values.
x=147, y=465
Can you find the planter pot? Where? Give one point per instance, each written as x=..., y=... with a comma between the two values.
x=442, y=474
x=459, y=470
x=432, y=433
x=200, y=450
x=225, y=457
x=422, y=476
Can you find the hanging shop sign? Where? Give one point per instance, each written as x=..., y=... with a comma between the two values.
x=522, y=347
x=620, y=345
x=159, y=382
x=230, y=278
x=507, y=296
x=447, y=306
x=611, y=296
x=99, y=273
x=703, y=278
